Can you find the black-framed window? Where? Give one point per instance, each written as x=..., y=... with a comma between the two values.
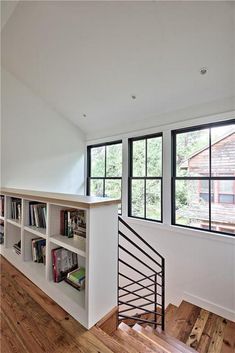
x=203, y=169
x=145, y=177
x=104, y=170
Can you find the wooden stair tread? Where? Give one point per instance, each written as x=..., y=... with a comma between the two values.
x=182, y=347
x=129, y=343
x=170, y=314
x=108, y=340
x=153, y=346
x=161, y=342
x=184, y=320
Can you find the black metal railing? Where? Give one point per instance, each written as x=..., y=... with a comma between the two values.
x=141, y=280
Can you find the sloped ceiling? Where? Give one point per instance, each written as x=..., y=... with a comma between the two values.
x=91, y=57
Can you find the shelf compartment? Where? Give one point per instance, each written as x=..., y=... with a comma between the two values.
x=28, y=252
x=13, y=235
x=76, y=244
x=15, y=222
x=40, y=232
x=77, y=297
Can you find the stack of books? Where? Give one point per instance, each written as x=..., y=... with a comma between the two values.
x=17, y=248
x=64, y=261
x=76, y=278
x=37, y=214
x=1, y=205
x=39, y=250
x=16, y=208
x=1, y=232
x=73, y=222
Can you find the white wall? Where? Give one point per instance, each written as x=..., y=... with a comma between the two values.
x=200, y=266
x=41, y=150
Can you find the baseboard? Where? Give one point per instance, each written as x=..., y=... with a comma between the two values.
x=210, y=306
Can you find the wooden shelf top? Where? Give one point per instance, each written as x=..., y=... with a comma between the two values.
x=59, y=198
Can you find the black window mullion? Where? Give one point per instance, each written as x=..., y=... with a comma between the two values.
x=209, y=178
x=146, y=174
x=145, y=197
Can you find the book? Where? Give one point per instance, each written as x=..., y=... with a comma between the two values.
x=16, y=208
x=73, y=222
x=1, y=232
x=17, y=248
x=37, y=214
x=2, y=205
x=64, y=261
x=76, y=278
x=38, y=250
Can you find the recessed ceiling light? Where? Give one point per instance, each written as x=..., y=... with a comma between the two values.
x=84, y=115
x=133, y=97
x=203, y=70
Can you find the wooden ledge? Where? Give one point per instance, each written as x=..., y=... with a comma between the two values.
x=60, y=198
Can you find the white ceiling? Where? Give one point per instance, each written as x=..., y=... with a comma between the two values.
x=90, y=57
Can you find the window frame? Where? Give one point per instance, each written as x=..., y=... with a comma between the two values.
x=209, y=178
x=130, y=176
x=89, y=177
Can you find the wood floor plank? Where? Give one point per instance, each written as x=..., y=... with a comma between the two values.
x=196, y=333
x=54, y=310
x=185, y=319
x=217, y=337
x=228, y=345
x=31, y=322
x=9, y=341
x=207, y=334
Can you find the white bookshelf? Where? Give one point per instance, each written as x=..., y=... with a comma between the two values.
x=97, y=252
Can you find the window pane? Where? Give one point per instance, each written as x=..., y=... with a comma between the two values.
x=114, y=160
x=138, y=158
x=192, y=153
x=223, y=150
x=226, y=186
x=113, y=189
x=191, y=209
x=154, y=156
x=223, y=208
x=98, y=161
x=137, y=202
x=96, y=187
x=153, y=199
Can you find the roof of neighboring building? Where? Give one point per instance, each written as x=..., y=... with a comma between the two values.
x=184, y=164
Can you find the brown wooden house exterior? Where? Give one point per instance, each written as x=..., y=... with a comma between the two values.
x=222, y=192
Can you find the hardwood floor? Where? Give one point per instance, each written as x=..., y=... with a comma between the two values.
x=32, y=323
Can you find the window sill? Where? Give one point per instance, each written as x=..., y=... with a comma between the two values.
x=180, y=230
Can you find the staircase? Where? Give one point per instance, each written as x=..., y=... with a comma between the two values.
x=140, y=323
x=188, y=329
x=146, y=339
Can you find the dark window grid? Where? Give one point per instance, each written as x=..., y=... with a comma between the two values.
x=103, y=179
x=210, y=178
x=145, y=178
x=89, y=177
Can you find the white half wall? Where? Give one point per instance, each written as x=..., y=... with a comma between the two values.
x=40, y=149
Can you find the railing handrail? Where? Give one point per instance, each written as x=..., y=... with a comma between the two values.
x=142, y=239
x=155, y=289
